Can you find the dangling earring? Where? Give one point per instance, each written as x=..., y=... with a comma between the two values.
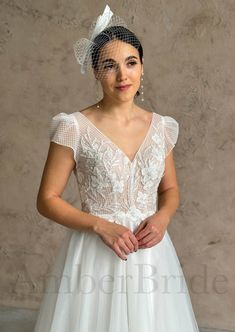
x=97, y=90
x=142, y=88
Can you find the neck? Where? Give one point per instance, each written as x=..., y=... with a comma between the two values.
x=118, y=109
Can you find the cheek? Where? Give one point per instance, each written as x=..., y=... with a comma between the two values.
x=135, y=74
x=107, y=84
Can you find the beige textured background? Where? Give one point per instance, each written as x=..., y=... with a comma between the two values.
x=189, y=56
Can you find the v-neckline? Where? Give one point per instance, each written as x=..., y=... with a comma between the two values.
x=115, y=145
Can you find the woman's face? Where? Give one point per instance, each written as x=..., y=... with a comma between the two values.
x=119, y=64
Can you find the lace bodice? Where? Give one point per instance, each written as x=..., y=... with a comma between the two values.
x=110, y=184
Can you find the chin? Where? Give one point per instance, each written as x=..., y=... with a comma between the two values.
x=125, y=98
x=125, y=95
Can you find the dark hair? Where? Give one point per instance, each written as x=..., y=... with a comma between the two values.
x=115, y=33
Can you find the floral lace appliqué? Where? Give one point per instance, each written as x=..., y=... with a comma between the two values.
x=109, y=184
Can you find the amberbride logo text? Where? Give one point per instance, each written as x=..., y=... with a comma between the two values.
x=142, y=279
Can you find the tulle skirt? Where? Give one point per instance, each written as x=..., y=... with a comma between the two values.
x=90, y=289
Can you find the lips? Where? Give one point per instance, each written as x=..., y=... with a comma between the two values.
x=123, y=87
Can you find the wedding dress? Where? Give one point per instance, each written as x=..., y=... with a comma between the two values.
x=90, y=288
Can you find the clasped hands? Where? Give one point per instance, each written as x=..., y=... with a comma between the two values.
x=123, y=241
x=151, y=230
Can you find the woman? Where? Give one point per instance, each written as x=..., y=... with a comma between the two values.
x=114, y=271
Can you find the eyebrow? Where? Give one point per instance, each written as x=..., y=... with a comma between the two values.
x=128, y=58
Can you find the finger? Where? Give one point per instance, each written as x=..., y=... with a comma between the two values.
x=121, y=242
x=129, y=244
x=148, y=244
x=140, y=227
x=144, y=232
x=146, y=239
x=134, y=242
x=125, y=248
x=119, y=252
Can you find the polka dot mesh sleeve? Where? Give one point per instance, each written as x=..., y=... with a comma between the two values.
x=171, y=132
x=64, y=130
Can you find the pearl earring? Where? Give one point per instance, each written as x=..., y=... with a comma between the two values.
x=142, y=88
x=97, y=90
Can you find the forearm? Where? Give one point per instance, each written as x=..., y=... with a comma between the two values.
x=168, y=202
x=60, y=211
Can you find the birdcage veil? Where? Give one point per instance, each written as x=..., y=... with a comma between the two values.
x=108, y=29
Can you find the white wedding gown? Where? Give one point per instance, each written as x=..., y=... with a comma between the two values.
x=90, y=288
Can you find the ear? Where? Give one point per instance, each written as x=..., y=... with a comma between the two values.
x=142, y=69
x=96, y=74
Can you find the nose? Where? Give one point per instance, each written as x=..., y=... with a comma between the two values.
x=121, y=73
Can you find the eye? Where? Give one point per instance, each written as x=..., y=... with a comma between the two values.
x=109, y=66
x=132, y=63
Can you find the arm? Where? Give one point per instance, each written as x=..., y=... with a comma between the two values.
x=168, y=190
x=59, y=165
x=56, y=173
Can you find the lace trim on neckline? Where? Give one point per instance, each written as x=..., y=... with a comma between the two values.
x=131, y=161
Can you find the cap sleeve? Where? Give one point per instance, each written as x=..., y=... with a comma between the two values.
x=171, y=132
x=64, y=130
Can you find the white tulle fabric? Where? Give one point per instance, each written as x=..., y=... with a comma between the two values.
x=90, y=289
